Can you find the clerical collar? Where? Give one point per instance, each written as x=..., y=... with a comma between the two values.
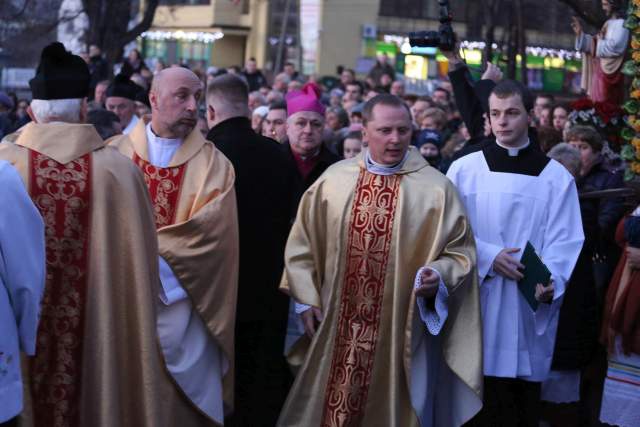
x=525, y=160
x=513, y=151
x=161, y=150
x=151, y=136
x=378, y=169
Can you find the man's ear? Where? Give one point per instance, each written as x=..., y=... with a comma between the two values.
x=153, y=99
x=211, y=115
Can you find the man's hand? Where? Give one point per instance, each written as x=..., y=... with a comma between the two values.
x=492, y=72
x=311, y=319
x=544, y=294
x=507, y=266
x=633, y=257
x=576, y=25
x=429, y=284
x=453, y=56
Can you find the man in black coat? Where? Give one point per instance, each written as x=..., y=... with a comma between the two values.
x=264, y=195
x=308, y=157
x=255, y=78
x=300, y=179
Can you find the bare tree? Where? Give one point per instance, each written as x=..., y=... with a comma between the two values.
x=109, y=23
x=26, y=26
x=31, y=24
x=522, y=40
x=587, y=10
x=491, y=13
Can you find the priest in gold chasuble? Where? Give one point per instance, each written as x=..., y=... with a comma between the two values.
x=191, y=185
x=97, y=361
x=381, y=262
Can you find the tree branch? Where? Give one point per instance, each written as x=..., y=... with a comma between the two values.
x=143, y=25
x=586, y=15
x=21, y=11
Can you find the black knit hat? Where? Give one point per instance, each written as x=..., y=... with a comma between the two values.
x=143, y=96
x=60, y=75
x=123, y=87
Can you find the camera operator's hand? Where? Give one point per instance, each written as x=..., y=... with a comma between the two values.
x=453, y=56
x=576, y=25
x=492, y=72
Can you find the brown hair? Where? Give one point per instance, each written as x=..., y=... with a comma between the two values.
x=437, y=114
x=548, y=137
x=586, y=134
x=229, y=87
x=508, y=88
x=382, y=99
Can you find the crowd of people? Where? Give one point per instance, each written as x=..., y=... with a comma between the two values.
x=203, y=248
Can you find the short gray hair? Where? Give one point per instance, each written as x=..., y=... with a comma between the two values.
x=258, y=96
x=60, y=110
x=283, y=77
x=568, y=155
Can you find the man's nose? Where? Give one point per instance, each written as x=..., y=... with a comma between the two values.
x=192, y=104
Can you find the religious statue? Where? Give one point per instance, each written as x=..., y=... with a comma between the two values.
x=603, y=55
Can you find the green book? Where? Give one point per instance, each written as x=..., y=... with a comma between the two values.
x=534, y=272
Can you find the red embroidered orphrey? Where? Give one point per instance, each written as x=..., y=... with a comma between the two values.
x=164, y=187
x=370, y=232
x=62, y=194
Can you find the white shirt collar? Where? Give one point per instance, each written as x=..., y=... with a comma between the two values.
x=513, y=151
x=378, y=169
x=161, y=150
x=132, y=124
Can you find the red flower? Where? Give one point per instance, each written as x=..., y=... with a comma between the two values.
x=607, y=111
x=582, y=104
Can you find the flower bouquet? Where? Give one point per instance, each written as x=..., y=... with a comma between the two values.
x=630, y=133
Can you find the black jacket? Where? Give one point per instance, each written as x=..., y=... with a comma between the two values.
x=300, y=185
x=99, y=70
x=577, y=334
x=254, y=80
x=264, y=195
x=578, y=323
x=601, y=216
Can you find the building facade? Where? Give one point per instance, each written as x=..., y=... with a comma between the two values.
x=223, y=33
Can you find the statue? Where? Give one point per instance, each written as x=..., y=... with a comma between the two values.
x=603, y=55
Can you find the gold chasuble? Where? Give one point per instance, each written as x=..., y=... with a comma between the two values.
x=354, y=251
x=97, y=359
x=197, y=226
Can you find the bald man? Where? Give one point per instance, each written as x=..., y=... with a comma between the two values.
x=191, y=185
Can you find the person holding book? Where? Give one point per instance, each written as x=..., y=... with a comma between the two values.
x=517, y=199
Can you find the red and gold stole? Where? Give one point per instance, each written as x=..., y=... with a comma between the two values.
x=369, y=239
x=164, y=187
x=62, y=194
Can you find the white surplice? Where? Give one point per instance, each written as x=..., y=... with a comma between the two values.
x=192, y=357
x=507, y=210
x=22, y=282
